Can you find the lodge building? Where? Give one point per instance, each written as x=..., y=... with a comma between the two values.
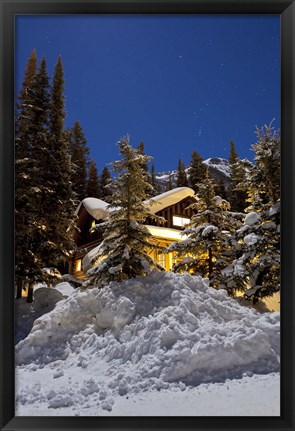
x=172, y=206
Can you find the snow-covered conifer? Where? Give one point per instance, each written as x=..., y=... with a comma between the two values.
x=105, y=180
x=59, y=204
x=209, y=245
x=30, y=190
x=123, y=253
x=236, y=194
x=257, y=269
x=79, y=152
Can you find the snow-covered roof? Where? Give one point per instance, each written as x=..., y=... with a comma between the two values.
x=167, y=199
x=95, y=207
x=99, y=208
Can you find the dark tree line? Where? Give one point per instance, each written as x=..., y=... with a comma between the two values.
x=52, y=174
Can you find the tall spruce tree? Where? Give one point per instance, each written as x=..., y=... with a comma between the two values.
x=145, y=167
x=25, y=111
x=93, y=185
x=197, y=171
x=141, y=150
x=105, y=180
x=236, y=194
x=60, y=203
x=25, y=264
x=32, y=126
x=124, y=251
x=79, y=152
x=181, y=177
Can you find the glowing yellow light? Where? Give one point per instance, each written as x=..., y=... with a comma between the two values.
x=78, y=265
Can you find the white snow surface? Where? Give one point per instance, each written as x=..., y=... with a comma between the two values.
x=165, y=344
x=219, y=163
x=251, y=239
x=209, y=229
x=252, y=218
x=65, y=288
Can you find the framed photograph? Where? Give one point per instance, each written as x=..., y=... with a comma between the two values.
x=147, y=207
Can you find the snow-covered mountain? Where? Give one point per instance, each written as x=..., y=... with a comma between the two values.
x=218, y=168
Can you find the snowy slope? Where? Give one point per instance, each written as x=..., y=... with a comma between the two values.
x=218, y=168
x=220, y=164
x=143, y=337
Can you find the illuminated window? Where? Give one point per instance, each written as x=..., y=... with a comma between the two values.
x=180, y=221
x=93, y=223
x=78, y=265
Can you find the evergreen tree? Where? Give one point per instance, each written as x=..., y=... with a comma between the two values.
x=233, y=155
x=105, y=180
x=264, y=183
x=169, y=184
x=60, y=203
x=220, y=189
x=123, y=253
x=236, y=194
x=145, y=167
x=153, y=182
x=79, y=152
x=93, y=185
x=181, y=178
x=153, y=176
x=31, y=143
x=197, y=171
x=25, y=110
x=141, y=150
x=210, y=245
x=257, y=270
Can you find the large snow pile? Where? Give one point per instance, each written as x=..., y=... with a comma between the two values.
x=147, y=333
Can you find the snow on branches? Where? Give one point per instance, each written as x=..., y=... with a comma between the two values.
x=123, y=253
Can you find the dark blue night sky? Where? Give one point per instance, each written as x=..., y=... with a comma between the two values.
x=177, y=83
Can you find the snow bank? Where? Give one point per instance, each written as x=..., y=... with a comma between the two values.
x=150, y=332
x=65, y=288
x=45, y=299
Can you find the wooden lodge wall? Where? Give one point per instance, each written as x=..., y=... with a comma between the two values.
x=179, y=209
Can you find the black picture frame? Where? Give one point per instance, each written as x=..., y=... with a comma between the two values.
x=9, y=9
